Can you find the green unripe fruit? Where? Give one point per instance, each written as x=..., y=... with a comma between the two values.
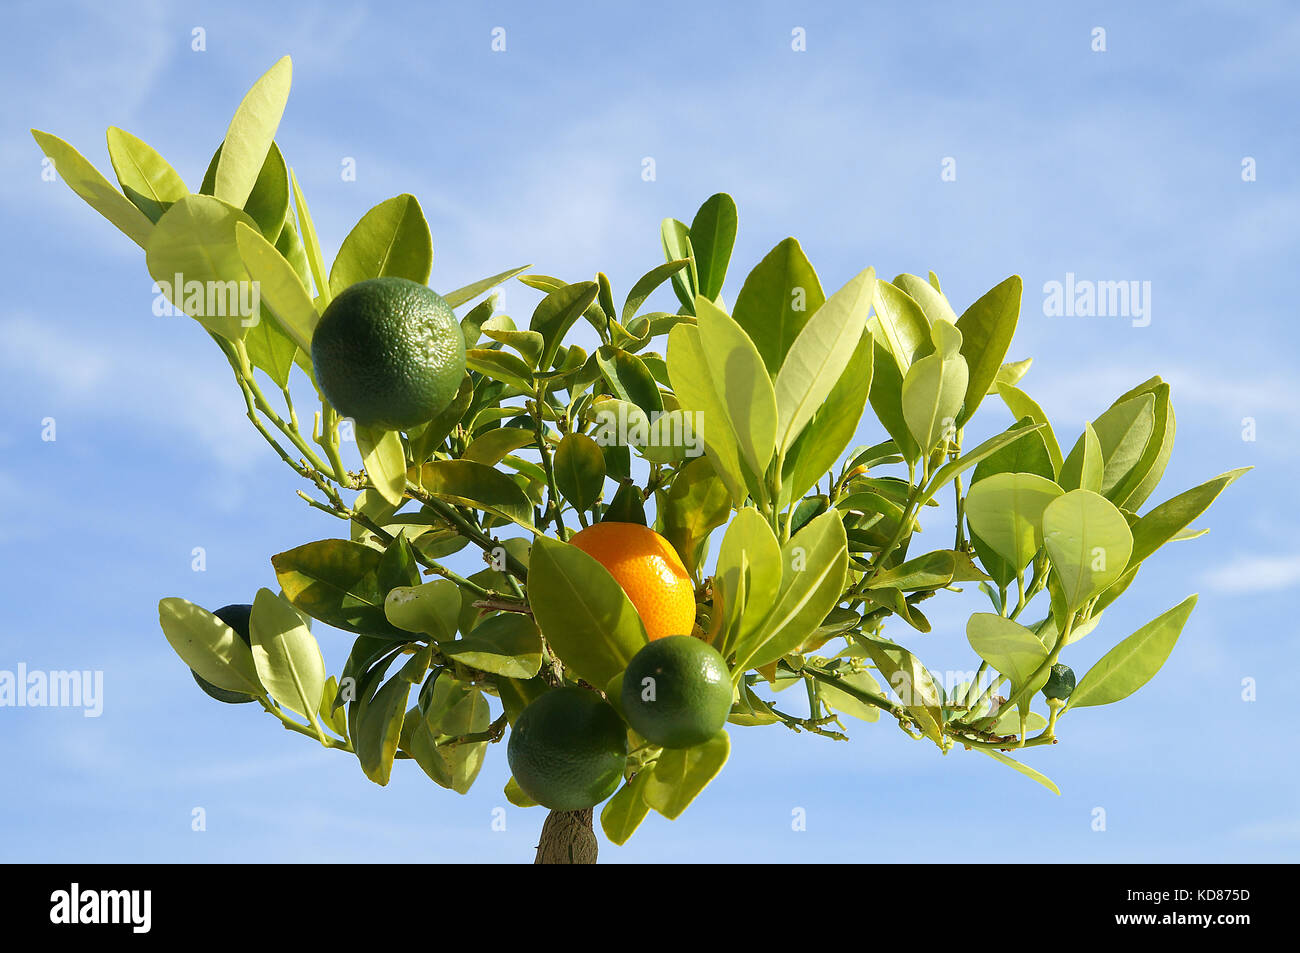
x=389, y=353
x=567, y=749
x=1059, y=683
x=677, y=692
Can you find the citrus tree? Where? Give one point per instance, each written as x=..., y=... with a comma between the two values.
x=673, y=527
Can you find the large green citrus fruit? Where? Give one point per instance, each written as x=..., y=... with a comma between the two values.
x=677, y=692
x=388, y=352
x=235, y=616
x=1060, y=683
x=567, y=749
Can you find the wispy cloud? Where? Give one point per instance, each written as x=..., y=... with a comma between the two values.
x=1256, y=574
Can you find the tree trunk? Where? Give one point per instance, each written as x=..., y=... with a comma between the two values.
x=567, y=838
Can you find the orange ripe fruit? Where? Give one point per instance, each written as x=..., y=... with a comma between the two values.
x=650, y=572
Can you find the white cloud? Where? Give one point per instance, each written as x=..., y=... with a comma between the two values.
x=1256, y=574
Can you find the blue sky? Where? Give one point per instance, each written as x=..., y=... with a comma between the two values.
x=1116, y=165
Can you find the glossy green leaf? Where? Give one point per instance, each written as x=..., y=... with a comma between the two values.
x=934, y=388
x=147, y=179
x=901, y=325
x=84, y=179
x=311, y=243
x=579, y=470
x=931, y=571
x=1132, y=663
x=281, y=289
x=430, y=608
x=695, y=504
x=500, y=366
x=695, y=391
x=953, y=468
x=776, y=301
x=251, y=132
x=931, y=301
x=380, y=718
x=1010, y=373
x=624, y=812
x=195, y=239
x=681, y=774
x=338, y=582
x=1027, y=455
x=1089, y=543
x=1010, y=648
x=832, y=426
x=628, y=378
x=584, y=614
x=287, y=657
x=391, y=240
x=646, y=285
x=987, y=328
x=1022, y=406
x=557, y=312
x=209, y=647
x=384, y=457
x=1083, y=469
x=846, y=704
x=814, y=562
x=1136, y=488
x=480, y=487
x=1167, y=520
x=886, y=396
x=471, y=291
x=1006, y=511
x=268, y=203
x=713, y=236
x=748, y=573
x=491, y=447
x=741, y=383
x=1023, y=768
x=676, y=238
x=911, y=682
x=819, y=355
x=508, y=644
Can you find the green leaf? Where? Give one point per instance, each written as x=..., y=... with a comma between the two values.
x=528, y=343
x=508, y=644
x=1012, y=649
x=676, y=237
x=1024, y=769
x=1132, y=663
x=846, y=704
x=147, y=179
x=456, y=709
x=84, y=179
x=1006, y=511
x=471, y=291
x=624, y=812
x=1123, y=433
x=338, y=582
x=741, y=383
x=380, y=719
x=627, y=506
x=695, y=504
x=1083, y=468
x=491, y=447
x=268, y=203
x=646, y=284
x=251, y=132
x=776, y=301
x=911, y=682
x=282, y=290
x=1010, y=373
x=557, y=312
x=886, y=395
x=748, y=574
x=424, y=442
x=1025, y=455
x=384, y=459
x=501, y=366
x=987, y=328
x=585, y=615
x=1089, y=543
x=931, y=571
x=713, y=235
x=934, y=388
x=430, y=608
x=1164, y=522
x=681, y=774
x=209, y=647
x=693, y=387
x=902, y=327
x=579, y=470
x=480, y=487
x=931, y=300
x=311, y=243
x=814, y=563
x=832, y=427
x=628, y=378
x=195, y=239
x=819, y=355
x=1136, y=488
x=391, y=240
x=1022, y=406
x=287, y=657
x=952, y=469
